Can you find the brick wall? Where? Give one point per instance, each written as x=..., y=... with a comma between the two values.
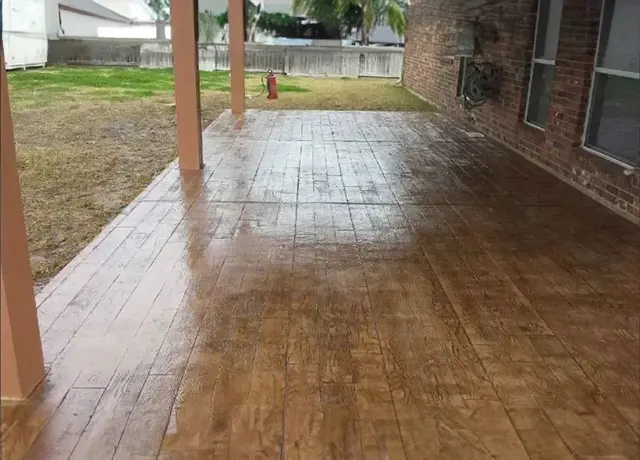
x=432, y=72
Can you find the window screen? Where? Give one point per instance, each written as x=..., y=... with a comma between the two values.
x=613, y=119
x=544, y=61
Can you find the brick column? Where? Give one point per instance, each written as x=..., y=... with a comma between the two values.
x=184, y=42
x=22, y=364
x=236, y=55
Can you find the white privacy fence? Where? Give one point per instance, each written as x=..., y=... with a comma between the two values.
x=352, y=61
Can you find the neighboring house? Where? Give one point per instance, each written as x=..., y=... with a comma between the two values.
x=136, y=10
x=383, y=35
x=101, y=19
x=24, y=33
x=572, y=105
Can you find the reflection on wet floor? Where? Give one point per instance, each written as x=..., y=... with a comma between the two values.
x=344, y=285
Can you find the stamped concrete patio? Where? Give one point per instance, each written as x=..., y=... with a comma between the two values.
x=344, y=285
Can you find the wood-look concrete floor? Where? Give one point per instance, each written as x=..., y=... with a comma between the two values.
x=341, y=285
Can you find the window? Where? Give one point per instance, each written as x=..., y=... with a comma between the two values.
x=544, y=62
x=612, y=128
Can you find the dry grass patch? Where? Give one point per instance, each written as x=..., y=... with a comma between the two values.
x=89, y=140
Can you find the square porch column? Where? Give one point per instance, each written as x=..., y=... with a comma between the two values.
x=236, y=55
x=21, y=361
x=184, y=45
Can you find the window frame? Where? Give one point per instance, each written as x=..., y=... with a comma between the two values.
x=541, y=61
x=602, y=153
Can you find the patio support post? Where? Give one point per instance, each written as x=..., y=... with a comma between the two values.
x=21, y=361
x=236, y=55
x=184, y=43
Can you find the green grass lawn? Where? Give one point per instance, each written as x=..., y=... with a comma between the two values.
x=38, y=88
x=90, y=139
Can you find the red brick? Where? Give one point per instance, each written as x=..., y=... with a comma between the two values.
x=431, y=36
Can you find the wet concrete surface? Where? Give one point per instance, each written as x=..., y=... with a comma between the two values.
x=344, y=285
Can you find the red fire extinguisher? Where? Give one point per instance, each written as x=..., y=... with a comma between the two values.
x=272, y=87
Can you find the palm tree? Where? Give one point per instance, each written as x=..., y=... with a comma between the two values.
x=363, y=15
x=160, y=8
x=250, y=14
x=327, y=12
x=368, y=13
x=208, y=26
x=394, y=13
x=222, y=20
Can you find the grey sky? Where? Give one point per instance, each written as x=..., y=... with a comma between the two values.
x=272, y=6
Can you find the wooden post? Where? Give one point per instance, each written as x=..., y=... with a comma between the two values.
x=22, y=364
x=184, y=42
x=236, y=55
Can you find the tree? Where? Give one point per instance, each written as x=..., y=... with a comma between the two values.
x=394, y=12
x=160, y=8
x=208, y=26
x=362, y=15
x=250, y=12
x=327, y=12
x=281, y=24
x=223, y=19
x=366, y=13
x=352, y=18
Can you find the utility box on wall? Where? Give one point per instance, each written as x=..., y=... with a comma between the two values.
x=466, y=40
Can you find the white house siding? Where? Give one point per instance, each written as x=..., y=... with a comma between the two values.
x=136, y=10
x=79, y=25
x=24, y=33
x=52, y=18
x=134, y=31
x=384, y=35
